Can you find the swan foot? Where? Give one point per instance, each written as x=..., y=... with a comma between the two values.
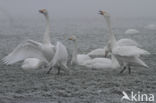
x=49, y=70
x=58, y=72
x=124, y=68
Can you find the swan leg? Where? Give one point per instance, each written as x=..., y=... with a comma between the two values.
x=49, y=70
x=66, y=68
x=129, y=69
x=124, y=68
x=58, y=72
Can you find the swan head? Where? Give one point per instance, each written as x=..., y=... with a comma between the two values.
x=104, y=13
x=43, y=11
x=73, y=38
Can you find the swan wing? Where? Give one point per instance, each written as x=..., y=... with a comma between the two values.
x=127, y=42
x=97, y=52
x=23, y=51
x=129, y=51
x=61, y=55
x=81, y=58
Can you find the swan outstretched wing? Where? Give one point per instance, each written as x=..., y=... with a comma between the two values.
x=127, y=42
x=129, y=51
x=61, y=55
x=25, y=50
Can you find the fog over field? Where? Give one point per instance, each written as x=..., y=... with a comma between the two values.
x=80, y=8
x=20, y=20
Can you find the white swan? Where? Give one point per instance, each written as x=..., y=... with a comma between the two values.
x=60, y=58
x=78, y=58
x=33, y=49
x=131, y=31
x=97, y=63
x=102, y=52
x=32, y=63
x=127, y=55
x=103, y=63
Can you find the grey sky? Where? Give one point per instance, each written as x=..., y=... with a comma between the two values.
x=80, y=8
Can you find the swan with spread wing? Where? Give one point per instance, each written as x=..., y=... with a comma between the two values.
x=30, y=49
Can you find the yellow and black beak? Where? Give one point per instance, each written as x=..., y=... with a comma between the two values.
x=101, y=12
x=42, y=10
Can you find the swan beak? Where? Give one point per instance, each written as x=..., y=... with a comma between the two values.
x=42, y=10
x=101, y=12
x=70, y=38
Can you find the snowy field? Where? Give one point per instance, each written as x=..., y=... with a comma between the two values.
x=81, y=85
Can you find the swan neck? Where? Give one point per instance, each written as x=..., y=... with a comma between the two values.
x=74, y=54
x=46, y=37
x=111, y=34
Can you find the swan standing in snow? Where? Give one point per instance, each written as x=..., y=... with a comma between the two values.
x=102, y=52
x=126, y=55
x=78, y=58
x=96, y=63
x=44, y=52
x=60, y=58
x=131, y=31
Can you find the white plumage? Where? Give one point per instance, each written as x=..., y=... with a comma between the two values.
x=103, y=63
x=101, y=52
x=60, y=58
x=78, y=59
x=97, y=63
x=126, y=55
x=33, y=49
x=129, y=51
x=23, y=51
x=32, y=63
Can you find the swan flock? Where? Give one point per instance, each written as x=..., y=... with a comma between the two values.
x=124, y=53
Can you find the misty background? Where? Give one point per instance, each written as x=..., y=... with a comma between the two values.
x=20, y=20
x=78, y=8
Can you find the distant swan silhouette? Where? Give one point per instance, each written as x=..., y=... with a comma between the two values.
x=131, y=31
